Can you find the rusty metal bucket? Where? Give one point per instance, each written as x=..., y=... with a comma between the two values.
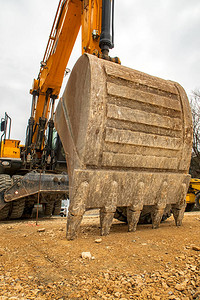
x=127, y=137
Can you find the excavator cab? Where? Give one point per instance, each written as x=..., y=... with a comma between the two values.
x=10, y=160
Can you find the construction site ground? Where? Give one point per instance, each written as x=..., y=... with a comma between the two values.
x=37, y=262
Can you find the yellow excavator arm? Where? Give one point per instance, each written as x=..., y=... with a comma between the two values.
x=96, y=39
x=70, y=16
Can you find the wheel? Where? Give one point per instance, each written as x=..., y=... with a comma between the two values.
x=28, y=210
x=48, y=208
x=17, y=209
x=57, y=207
x=5, y=182
x=17, y=206
x=121, y=214
x=197, y=200
x=189, y=207
x=145, y=217
x=4, y=212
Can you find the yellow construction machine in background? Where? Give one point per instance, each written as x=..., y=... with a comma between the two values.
x=193, y=194
x=10, y=153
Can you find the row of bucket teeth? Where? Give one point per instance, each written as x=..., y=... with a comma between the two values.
x=78, y=208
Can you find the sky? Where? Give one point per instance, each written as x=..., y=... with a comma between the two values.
x=158, y=37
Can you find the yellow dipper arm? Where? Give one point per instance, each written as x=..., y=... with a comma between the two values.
x=70, y=15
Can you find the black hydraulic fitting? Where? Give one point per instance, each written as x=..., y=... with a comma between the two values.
x=106, y=41
x=31, y=123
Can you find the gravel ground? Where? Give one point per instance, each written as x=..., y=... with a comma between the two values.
x=37, y=262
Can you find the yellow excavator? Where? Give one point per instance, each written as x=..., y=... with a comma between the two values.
x=10, y=149
x=22, y=184
x=193, y=195
x=127, y=136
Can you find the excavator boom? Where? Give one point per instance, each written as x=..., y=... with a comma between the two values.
x=70, y=16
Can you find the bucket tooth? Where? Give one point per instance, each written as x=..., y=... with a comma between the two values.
x=160, y=205
x=134, y=211
x=106, y=218
x=133, y=218
x=73, y=223
x=156, y=216
x=77, y=210
x=178, y=209
x=178, y=214
x=107, y=212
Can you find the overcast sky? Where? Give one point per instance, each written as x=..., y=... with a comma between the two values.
x=159, y=37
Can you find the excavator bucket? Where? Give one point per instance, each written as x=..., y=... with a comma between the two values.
x=127, y=137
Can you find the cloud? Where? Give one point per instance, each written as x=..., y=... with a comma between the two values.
x=160, y=38
x=157, y=37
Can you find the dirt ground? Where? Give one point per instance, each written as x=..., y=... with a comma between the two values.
x=37, y=262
